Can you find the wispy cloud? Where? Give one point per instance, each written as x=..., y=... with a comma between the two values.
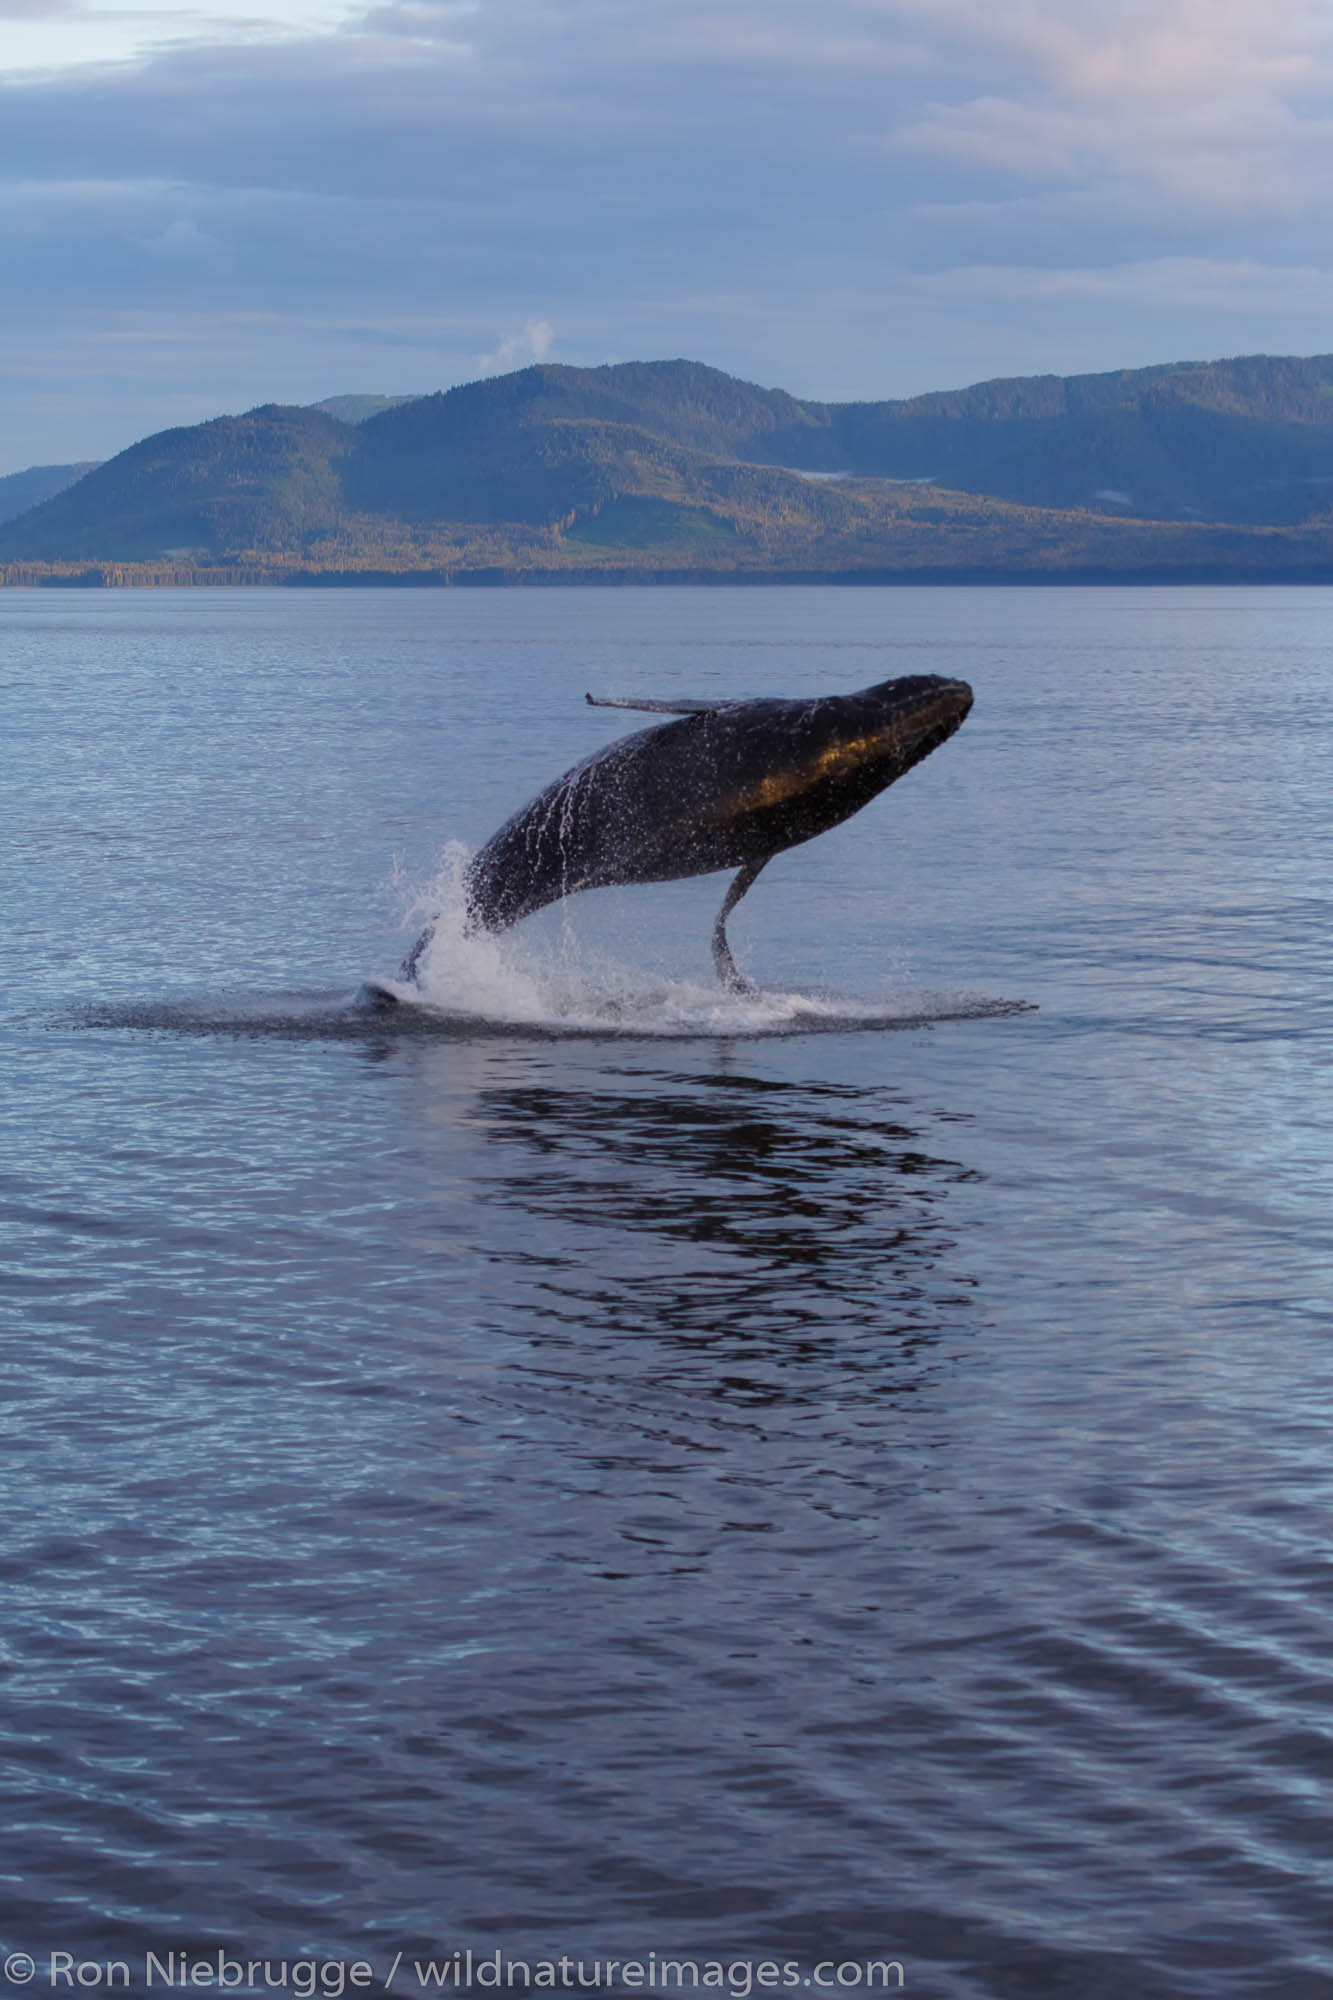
x=1220, y=103
x=519, y=350
x=107, y=33
x=1214, y=285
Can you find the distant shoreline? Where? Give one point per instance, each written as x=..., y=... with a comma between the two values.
x=126, y=576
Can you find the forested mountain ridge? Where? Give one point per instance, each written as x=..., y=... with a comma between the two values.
x=267, y=480
x=1246, y=440
x=677, y=458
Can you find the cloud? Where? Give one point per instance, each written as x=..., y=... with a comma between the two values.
x=1037, y=141
x=110, y=33
x=518, y=350
x=422, y=21
x=1197, y=283
x=691, y=35
x=181, y=238
x=1168, y=49
x=1221, y=104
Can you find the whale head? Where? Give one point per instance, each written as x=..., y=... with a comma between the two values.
x=901, y=721
x=812, y=764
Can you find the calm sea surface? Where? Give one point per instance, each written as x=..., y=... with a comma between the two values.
x=616, y=1471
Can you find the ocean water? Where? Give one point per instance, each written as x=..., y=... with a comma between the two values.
x=608, y=1471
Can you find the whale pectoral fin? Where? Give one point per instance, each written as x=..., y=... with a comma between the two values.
x=655, y=707
x=408, y=969
x=734, y=981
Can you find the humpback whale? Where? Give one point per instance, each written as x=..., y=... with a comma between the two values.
x=724, y=784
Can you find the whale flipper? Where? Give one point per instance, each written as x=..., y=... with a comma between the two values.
x=735, y=982
x=655, y=707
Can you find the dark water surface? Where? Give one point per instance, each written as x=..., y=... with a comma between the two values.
x=598, y=1472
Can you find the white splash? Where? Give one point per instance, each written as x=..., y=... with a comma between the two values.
x=516, y=979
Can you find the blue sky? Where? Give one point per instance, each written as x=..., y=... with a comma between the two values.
x=203, y=210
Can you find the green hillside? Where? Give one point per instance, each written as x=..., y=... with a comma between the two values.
x=266, y=480
x=1248, y=440
x=682, y=402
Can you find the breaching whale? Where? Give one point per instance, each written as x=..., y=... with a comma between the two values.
x=725, y=784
